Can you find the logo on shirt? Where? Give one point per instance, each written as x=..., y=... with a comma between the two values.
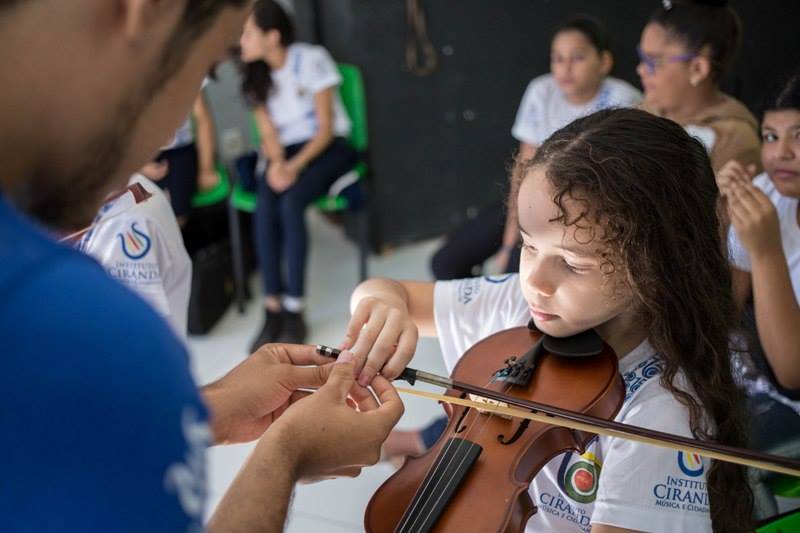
x=579, y=480
x=135, y=243
x=690, y=464
x=498, y=279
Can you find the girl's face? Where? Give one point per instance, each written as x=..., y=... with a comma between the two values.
x=665, y=68
x=255, y=43
x=563, y=278
x=780, y=151
x=577, y=66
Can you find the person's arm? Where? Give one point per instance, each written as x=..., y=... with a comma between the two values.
x=777, y=312
x=207, y=174
x=323, y=107
x=319, y=435
x=742, y=287
x=270, y=143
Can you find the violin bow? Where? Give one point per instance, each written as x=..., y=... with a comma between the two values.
x=565, y=418
x=140, y=195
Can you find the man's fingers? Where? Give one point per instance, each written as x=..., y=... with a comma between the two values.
x=341, y=378
x=296, y=354
x=307, y=377
x=391, y=408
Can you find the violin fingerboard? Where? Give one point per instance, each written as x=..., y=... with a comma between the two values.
x=439, y=486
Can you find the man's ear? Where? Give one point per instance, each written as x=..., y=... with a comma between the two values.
x=139, y=16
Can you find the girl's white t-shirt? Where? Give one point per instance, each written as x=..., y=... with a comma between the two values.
x=308, y=70
x=545, y=109
x=616, y=481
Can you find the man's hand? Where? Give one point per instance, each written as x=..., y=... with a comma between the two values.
x=338, y=429
x=251, y=396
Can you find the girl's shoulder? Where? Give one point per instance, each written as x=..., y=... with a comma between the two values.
x=542, y=85
x=622, y=92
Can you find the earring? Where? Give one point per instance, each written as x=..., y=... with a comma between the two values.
x=694, y=82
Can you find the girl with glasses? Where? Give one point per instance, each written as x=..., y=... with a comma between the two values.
x=685, y=50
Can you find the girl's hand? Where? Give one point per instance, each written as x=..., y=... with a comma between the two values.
x=731, y=172
x=277, y=177
x=207, y=179
x=383, y=338
x=754, y=218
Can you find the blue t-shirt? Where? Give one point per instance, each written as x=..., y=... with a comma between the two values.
x=101, y=425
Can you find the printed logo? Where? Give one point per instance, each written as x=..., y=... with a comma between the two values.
x=498, y=279
x=690, y=464
x=579, y=480
x=135, y=243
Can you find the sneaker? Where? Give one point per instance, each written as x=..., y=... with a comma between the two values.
x=294, y=328
x=273, y=324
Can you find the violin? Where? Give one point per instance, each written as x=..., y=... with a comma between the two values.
x=563, y=391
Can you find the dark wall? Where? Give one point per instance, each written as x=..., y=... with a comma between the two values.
x=440, y=144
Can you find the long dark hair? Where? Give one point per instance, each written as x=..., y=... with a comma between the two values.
x=256, y=76
x=700, y=23
x=651, y=186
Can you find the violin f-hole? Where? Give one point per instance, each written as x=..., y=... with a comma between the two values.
x=520, y=430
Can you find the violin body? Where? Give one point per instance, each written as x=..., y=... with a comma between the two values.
x=476, y=477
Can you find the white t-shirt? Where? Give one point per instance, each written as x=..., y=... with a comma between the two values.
x=545, y=109
x=142, y=247
x=786, y=208
x=308, y=70
x=616, y=481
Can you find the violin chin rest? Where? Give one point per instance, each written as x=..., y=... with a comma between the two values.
x=584, y=344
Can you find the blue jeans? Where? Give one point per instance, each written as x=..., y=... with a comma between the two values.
x=280, y=224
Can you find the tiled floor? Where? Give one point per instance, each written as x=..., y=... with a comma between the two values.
x=335, y=506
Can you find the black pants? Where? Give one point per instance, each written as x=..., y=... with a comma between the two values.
x=472, y=243
x=181, y=179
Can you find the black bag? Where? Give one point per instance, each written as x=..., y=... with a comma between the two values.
x=212, y=286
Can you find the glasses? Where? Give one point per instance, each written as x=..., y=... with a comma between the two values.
x=653, y=63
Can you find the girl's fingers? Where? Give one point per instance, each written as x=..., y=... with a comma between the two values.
x=406, y=346
x=383, y=348
x=367, y=337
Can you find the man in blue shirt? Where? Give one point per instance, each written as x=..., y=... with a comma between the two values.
x=103, y=427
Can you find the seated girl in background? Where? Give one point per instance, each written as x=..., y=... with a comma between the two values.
x=605, y=246
x=764, y=241
x=303, y=127
x=189, y=160
x=685, y=50
x=578, y=84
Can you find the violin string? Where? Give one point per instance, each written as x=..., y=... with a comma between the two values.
x=431, y=506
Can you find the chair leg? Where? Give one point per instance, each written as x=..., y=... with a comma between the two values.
x=363, y=242
x=239, y=280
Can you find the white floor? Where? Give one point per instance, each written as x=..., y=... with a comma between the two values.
x=335, y=506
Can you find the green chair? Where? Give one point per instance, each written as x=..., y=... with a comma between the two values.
x=241, y=200
x=785, y=523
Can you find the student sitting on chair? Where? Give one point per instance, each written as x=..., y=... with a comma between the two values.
x=303, y=127
x=142, y=247
x=764, y=241
x=577, y=84
x=189, y=157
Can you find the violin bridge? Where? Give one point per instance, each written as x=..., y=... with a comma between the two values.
x=488, y=401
